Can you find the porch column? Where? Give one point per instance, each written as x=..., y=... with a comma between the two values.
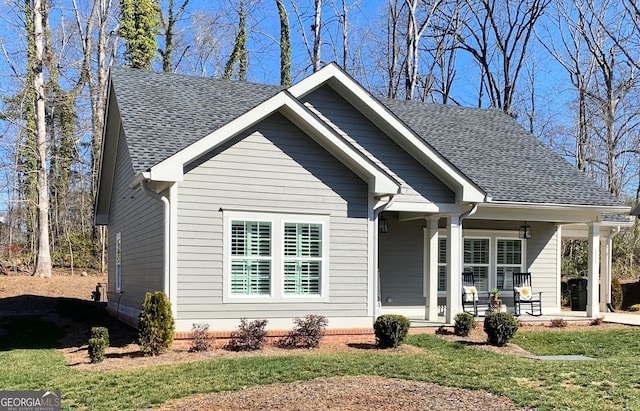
x=593, y=308
x=431, y=268
x=454, y=270
x=605, y=272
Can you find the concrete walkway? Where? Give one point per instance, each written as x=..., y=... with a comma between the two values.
x=622, y=318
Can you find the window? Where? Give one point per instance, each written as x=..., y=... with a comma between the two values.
x=250, y=257
x=476, y=260
x=275, y=256
x=493, y=260
x=442, y=264
x=302, y=258
x=118, y=261
x=508, y=261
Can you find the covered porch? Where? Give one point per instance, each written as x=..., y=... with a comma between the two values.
x=421, y=258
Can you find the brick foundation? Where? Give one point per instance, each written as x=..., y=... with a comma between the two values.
x=182, y=340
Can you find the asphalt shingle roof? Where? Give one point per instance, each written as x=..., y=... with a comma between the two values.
x=164, y=113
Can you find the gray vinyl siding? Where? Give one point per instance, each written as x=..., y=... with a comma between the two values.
x=422, y=186
x=139, y=219
x=542, y=260
x=273, y=166
x=401, y=263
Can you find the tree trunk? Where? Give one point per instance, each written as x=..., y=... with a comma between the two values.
x=43, y=259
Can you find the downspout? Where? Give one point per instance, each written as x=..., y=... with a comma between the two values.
x=166, y=227
x=610, y=251
x=468, y=213
x=376, y=282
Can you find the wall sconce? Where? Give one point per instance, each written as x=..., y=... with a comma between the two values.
x=525, y=231
x=383, y=225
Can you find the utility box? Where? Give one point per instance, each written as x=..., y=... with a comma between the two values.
x=578, y=290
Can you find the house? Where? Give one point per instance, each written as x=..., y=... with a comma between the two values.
x=242, y=200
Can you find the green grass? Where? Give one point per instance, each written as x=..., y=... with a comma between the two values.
x=611, y=381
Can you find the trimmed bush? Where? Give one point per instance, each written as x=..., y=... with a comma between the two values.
x=558, y=323
x=616, y=293
x=307, y=332
x=200, y=338
x=635, y=307
x=391, y=330
x=464, y=323
x=155, y=324
x=249, y=336
x=98, y=343
x=500, y=328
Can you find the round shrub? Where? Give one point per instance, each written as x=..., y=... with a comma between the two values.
x=500, y=328
x=155, y=324
x=616, y=293
x=464, y=323
x=97, y=348
x=391, y=330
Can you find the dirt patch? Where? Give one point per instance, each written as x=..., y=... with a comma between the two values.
x=346, y=394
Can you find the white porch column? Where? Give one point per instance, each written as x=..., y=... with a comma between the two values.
x=454, y=269
x=593, y=308
x=605, y=272
x=431, y=268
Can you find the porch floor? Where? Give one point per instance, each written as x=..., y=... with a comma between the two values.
x=630, y=319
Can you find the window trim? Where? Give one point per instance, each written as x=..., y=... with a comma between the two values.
x=277, y=284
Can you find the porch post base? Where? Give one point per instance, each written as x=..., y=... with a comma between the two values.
x=431, y=313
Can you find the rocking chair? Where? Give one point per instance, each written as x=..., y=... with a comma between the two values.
x=469, y=294
x=522, y=294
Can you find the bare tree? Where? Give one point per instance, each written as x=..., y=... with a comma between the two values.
x=415, y=29
x=239, y=52
x=285, y=45
x=43, y=258
x=497, y=35
x=168, y=25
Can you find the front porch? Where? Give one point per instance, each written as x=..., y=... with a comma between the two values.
x=421, y=260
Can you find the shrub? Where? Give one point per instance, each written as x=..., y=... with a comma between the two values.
x=98, y=343
x=155, y=324
x=558, y=323
x=500, y=328
x=597, y=321
x=391, y=330
x=307, y=332
x=635, y=307
x=464, y=323
x=616, y=293
x=200, y=338
x=442, y=330
x=249, y=336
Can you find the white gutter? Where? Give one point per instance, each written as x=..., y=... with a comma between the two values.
x=166, y=228
x=468, y=213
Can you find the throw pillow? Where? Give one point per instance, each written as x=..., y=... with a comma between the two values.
x=470, y=294
x=525, y=293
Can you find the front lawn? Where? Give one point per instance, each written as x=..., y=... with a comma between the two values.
x=611, y=381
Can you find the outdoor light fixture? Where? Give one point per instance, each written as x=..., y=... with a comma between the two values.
x=383, y=225
x=525, y=231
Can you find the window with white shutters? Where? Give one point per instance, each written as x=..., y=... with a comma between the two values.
x=251, y=257
x=302, y=258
